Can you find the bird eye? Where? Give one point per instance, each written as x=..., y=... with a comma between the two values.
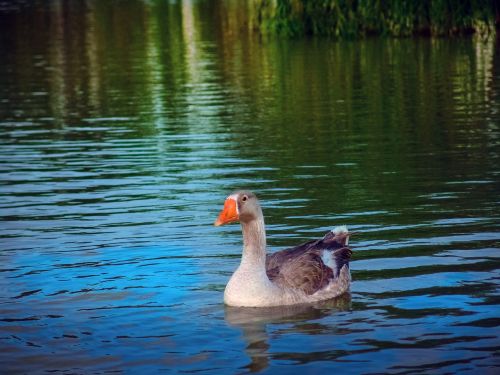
x=244, y=198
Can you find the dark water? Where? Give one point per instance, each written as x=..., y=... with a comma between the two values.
x=124, y=125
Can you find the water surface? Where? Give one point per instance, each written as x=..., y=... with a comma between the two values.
x=124, y=127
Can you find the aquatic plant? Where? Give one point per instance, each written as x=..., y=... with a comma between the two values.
x=357, y=18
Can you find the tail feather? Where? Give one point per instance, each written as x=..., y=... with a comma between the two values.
x=339, y=236
x=341, y=258
x=337, y=241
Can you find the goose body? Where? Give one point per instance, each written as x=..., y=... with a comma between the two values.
x=314, y=271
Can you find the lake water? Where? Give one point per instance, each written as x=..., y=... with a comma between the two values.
x=124, y=125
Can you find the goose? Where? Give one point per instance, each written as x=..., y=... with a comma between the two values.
x=314, y=271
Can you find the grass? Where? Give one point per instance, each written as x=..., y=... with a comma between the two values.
x=348, y=19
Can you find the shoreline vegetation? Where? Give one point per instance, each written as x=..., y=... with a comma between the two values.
x=352, y=19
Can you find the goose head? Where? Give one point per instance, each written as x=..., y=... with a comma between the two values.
x=242, y=206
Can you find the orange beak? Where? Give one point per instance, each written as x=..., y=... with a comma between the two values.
x=229, y=213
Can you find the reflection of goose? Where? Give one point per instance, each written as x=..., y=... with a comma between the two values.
x=314, y=271
x=253, y=323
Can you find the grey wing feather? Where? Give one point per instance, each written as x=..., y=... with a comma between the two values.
x=303, y=267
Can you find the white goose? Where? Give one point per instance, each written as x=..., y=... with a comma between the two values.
x=314, y=271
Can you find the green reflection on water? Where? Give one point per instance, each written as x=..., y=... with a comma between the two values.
x=386, y=121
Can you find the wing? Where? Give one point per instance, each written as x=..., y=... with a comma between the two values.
x=312, y=265
x=306, y=272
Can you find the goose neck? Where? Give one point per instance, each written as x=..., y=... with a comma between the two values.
x=254, y=242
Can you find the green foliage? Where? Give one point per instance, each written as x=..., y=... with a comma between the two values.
x=356, y=18
x=280, y=17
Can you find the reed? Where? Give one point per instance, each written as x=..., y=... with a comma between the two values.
x=347, y=19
